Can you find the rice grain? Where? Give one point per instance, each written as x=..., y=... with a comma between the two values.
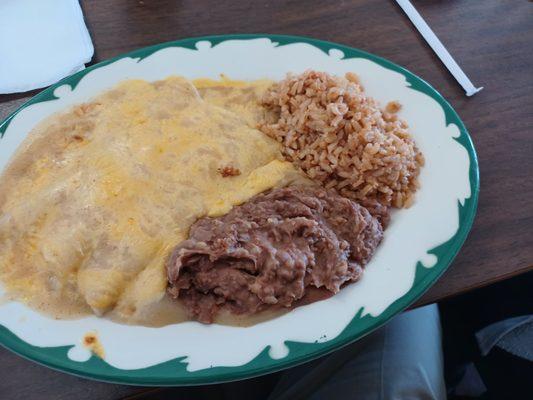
x=340, y=137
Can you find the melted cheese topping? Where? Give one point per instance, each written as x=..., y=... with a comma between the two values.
x=96, y=198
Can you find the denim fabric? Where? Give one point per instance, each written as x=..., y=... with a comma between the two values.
x=401, y=361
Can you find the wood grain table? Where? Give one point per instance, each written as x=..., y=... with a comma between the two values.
x=492, y=41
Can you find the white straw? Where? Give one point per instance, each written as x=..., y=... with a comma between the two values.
x=438, y=47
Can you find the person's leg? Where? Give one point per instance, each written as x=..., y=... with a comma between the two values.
x=402, y=360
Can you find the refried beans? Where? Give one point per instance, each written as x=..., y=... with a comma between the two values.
x=268, y=251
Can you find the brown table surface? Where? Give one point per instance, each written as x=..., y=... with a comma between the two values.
x=490, y=39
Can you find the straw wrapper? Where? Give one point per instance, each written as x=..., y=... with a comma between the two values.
x=438, y=47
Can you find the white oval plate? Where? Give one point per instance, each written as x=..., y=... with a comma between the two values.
x=418, y=246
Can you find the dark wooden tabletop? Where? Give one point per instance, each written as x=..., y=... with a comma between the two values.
x=490, y=39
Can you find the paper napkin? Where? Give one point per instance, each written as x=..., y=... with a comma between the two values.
x=41, y=41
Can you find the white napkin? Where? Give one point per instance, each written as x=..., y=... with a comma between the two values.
x=41, y=41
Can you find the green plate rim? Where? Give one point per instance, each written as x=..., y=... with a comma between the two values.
x=173, y=372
